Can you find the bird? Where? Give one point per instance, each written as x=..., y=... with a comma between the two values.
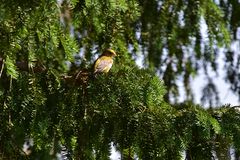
x=104, y=63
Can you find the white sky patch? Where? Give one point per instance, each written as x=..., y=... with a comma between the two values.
x=225, y=94
x=160, y=3
x=203, y=29
x=235, y=48
x=139, y=60
x=59, y=1
x=181, y=18
x=238, y=33
x=138, y=34
x=115, y=155
x=217, y=2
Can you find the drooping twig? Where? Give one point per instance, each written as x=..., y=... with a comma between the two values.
x=2, y=66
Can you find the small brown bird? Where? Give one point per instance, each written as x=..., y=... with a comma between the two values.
x=104, y=63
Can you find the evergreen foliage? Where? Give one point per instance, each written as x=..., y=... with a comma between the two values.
x=55, y=104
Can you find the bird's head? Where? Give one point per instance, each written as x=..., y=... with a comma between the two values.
x=109, y=53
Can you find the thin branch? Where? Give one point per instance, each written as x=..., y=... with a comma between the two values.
x=79, y=78
x=23, y=66
x=1, y=61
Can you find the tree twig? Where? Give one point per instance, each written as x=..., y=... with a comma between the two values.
x=1, y=61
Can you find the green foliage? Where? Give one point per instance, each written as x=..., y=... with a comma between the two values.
x=129, y=107
x=167, y=33
x=122, y=108
x=11, y=68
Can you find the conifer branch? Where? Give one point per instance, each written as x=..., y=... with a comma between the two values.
x=78, y=77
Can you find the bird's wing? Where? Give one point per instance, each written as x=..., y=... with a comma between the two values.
x=103, y=64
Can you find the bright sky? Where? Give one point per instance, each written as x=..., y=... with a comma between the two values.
x=225, y=94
